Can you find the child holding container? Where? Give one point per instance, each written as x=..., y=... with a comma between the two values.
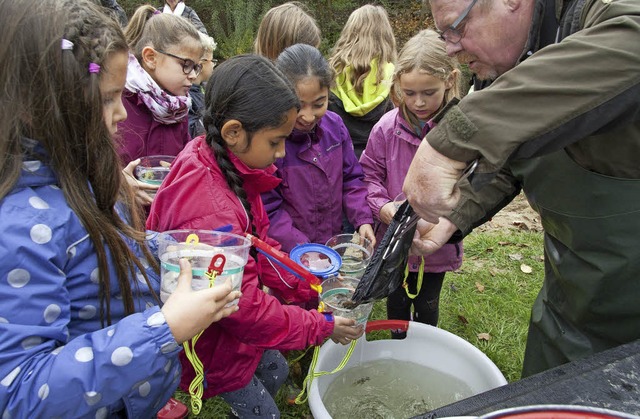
x=216, y=181
x=81, y=330
x=425, y=79
x=321, y=176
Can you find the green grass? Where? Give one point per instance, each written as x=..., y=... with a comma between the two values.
x=490, y=294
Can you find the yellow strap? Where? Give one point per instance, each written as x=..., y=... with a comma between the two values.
x=196, y=388
x=418, y=285
x=306, y=385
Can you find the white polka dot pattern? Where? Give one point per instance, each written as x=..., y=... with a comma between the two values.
x=40, y=234
x=18, y=278
x=102, y=413
x=38, y=203
x=6, y=381
x=144, y=389
x=87, y=312
x=156, y=319
x=92, y=397
x=43, y=391
x=84, y=354
x=51, y=313
x=121, y=356
x=31, y=342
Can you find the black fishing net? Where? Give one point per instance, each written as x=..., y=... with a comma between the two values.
x=385, y=272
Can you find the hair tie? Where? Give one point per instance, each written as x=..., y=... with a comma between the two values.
x=66, y=44
x=157, y=12
x=94, y=68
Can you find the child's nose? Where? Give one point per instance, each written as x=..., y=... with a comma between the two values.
x=307, y=116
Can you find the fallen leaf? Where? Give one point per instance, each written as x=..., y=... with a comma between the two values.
x=479, y=287
x=453, y=287
x=541, y=257
x=526, y=268
x=489, y=249
x=515, y=256
x=484, y=336
x=521, y=225
x=505, y=243
x=463, y=319
x=493, y=271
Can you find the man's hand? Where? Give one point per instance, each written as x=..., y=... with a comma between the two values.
x=431, y=237
x=431, y=183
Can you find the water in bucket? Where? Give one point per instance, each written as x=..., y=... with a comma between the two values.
x=389, y=388
x=355, y=252
x=337, y=291
x=200, y=246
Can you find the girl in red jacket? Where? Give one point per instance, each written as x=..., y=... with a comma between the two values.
x=217, y=180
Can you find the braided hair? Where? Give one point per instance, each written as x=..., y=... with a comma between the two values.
x=58, y=103
x=249, y=89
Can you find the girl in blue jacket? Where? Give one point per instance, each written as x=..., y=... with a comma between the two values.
x=81, y=332
x=321, y=176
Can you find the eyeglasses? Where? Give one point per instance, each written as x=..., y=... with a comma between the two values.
x=452, y=33
x=187, y=65
x=213, y=61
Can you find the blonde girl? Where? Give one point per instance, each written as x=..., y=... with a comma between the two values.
x=425, y=79
x=164, y=63
x=362, y=60
x=283, y=26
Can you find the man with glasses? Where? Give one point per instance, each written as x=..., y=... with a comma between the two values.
x=561, y=120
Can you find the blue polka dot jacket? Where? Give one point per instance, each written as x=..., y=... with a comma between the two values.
x=56, y=360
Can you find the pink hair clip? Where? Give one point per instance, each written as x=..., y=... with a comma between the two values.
x=94, y=68
x=66, y=44
x=157, y=12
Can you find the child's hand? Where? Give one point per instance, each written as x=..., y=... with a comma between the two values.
x=366, y=231
x=345, y=330
x=188, y=312
x=140, y=188
x=387, y=212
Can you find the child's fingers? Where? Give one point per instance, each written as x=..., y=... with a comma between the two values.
x=184, y=279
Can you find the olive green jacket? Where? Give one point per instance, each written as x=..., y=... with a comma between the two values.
x=575, y=87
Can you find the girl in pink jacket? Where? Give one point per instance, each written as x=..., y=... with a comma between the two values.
x=216, y=181
x=425, y=80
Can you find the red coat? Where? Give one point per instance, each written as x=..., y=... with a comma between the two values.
x=195, y=195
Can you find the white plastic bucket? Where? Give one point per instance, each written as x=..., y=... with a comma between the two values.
x=424, y=345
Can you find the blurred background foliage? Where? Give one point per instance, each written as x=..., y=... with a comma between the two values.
x=233, y=23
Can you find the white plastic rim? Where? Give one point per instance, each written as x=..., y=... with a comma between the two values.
x=424, y=345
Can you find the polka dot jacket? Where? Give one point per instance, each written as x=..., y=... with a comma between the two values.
x=56, y=360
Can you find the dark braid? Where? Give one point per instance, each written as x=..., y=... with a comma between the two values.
x=249, y=89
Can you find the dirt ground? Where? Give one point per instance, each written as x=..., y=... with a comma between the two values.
x=517, y=215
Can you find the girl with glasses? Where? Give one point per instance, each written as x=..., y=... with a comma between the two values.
x=164, y=63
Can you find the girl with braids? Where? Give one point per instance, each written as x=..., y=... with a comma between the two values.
x=425, y=79
x=217, y=180
x=81, y=332
x=164, y=63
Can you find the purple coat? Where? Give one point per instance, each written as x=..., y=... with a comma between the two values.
x=321, y=178
x=385, y=162
x=140, y=135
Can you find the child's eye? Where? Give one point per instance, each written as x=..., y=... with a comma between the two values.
x=409, y=94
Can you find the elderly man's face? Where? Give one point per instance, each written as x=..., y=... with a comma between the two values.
x=493, y=35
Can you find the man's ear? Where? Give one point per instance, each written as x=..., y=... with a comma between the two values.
x=149, y=58
x=231, y=132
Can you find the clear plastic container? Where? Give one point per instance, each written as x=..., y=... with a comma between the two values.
x=336, y=291
x=355, y=251
x=200, y=247
x=153, y=170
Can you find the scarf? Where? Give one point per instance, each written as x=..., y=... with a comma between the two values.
x=165, y=108
x=178, y=11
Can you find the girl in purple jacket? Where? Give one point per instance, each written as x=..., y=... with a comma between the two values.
x=425, y=79
x=321, y=176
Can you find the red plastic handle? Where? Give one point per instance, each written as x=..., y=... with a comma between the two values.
x=283, y=258
x=400, y=325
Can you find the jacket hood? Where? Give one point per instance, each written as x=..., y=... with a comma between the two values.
x=372, y=95
x=36, y=171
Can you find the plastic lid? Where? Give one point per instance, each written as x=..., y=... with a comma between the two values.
x=320, y=260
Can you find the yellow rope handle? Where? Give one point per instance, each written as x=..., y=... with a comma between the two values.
x=418, y=285
x=306, y=384
x=196, y=388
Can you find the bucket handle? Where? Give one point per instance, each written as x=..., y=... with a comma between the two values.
x=400, y=325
